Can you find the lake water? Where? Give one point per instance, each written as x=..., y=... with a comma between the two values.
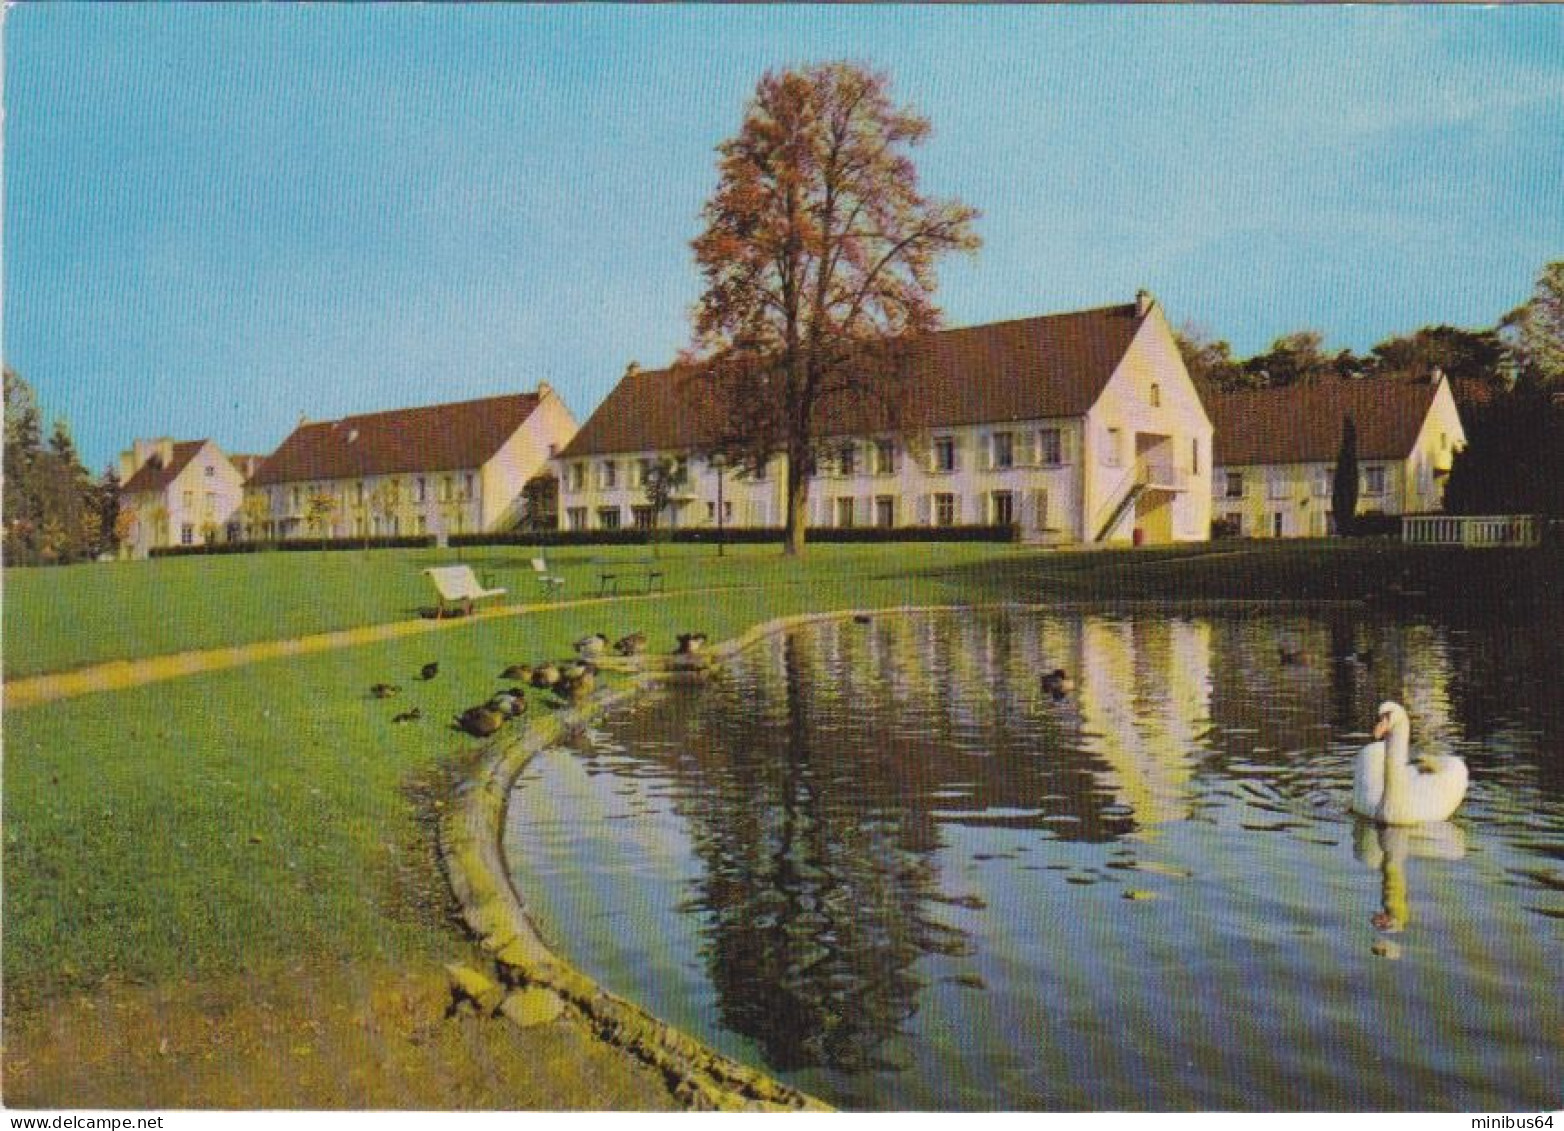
x=882, y=862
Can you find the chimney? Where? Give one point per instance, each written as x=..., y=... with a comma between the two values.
x=545, y=390
x=127, y=465
x=165, y=451
x=140, y=452
x=1436, y=377
x=1143, y=303
x=632, y=369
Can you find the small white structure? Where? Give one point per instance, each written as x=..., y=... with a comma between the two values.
x=1470, y=530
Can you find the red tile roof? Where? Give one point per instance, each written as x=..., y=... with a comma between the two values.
x=1028, y=369
x=443, y=437
x=153, y=476
x=1302, y=423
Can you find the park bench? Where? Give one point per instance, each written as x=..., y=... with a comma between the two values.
x=458, y=583
x=611, y=570
x=551, y=583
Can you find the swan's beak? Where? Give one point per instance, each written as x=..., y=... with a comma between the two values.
x=1382, y=728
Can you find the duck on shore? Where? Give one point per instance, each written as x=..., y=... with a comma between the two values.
x=480, y=722
x=590, y=646
x=631, y=645
x=690, y=643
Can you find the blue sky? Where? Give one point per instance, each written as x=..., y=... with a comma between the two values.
x=219, y=218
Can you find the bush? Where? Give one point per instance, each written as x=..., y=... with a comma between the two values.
x=740, y=535
x=1376, y=526
x=1224, y=528
x=386, y=542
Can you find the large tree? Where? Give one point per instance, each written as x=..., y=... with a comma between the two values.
x=818, y=257
x=1535, y=330
x=50, y=505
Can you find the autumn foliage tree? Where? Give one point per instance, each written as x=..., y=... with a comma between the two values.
x=818, y=259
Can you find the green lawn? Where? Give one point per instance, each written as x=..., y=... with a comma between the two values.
x=245, y=819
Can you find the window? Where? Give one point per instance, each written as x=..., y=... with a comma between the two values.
x=233, y=532
x=1111, y=453
x=885, y=510
x=1004, y=508
x=1323, y=478
x=210, y=471
x=608, y=518
x=1373, y=480
x=1155, y=396
x=844, y=512
x=1194, y=456
x=945, y=454
x=189, y=499
x=1235, y=523
x=884, y=457
x=681, y=469
x=1004, y=449
x=296, y=505
x=847, y=460
x=760, y=472
x=1235, y=485
x=646, y=470
x=644, y=517
x=608, y=477
x=578, y=476
x=944, y=510
x=1276, y=524
x=418, y=491
x=186, y=534
x=423, y=524
x=447, y=489
x=211, y=502
x=1050, y=450
x=577, y=517
x=1276, y=485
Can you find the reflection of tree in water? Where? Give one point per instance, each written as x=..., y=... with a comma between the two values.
x=816, y=900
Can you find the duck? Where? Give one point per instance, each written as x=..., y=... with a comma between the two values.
x=631, y=645
x=545, y=675
x=429, y=670
x=690, y=643
x=408, y=716
x=1392, y=791
x=576, y=685
x=589, y=646
x=1290, y=655
x=508, y=704
x=480, y=722
x=384, y=690
x=862, y=618
x=517, y=671
x=1057, y=683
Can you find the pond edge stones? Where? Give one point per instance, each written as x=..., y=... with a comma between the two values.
x=531, y=985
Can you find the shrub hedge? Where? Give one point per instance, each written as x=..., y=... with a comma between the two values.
x=399, y=542
x=740, y=535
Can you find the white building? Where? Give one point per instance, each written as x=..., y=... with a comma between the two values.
x=440, y=469
x=1077, y=427
x=1276, y=452
x=177, y=494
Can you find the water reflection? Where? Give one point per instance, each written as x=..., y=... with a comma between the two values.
x=885, y=862
x=1386, y=849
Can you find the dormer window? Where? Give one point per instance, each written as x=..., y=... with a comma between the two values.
x=1156, y=395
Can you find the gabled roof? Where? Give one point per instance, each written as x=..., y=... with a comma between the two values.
x=155, y=476
x=1033, y=368
x=443, y=437
x=1302, y=423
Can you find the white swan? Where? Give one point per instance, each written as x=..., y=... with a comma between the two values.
x=1388, y=788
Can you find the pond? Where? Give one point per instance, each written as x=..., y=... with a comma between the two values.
x=884, y=863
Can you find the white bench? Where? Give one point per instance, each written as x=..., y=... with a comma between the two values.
x=458, y=583
x=551, y=583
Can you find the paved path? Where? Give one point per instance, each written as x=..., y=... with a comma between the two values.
x=116, y=675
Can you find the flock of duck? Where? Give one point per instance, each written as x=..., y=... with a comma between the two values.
x=570, y=680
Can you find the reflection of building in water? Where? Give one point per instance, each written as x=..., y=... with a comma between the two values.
x=1425, y=671
x=1144, y=694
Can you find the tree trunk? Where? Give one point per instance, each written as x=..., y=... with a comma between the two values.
x=797, y=508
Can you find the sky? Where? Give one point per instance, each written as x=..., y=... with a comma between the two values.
x=218, y=219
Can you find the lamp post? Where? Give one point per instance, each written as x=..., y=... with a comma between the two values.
x=719, y=461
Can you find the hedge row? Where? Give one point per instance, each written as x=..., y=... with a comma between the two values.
x=740, y=535
x=399, y=542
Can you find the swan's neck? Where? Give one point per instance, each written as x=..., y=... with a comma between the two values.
x=1397, y=756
